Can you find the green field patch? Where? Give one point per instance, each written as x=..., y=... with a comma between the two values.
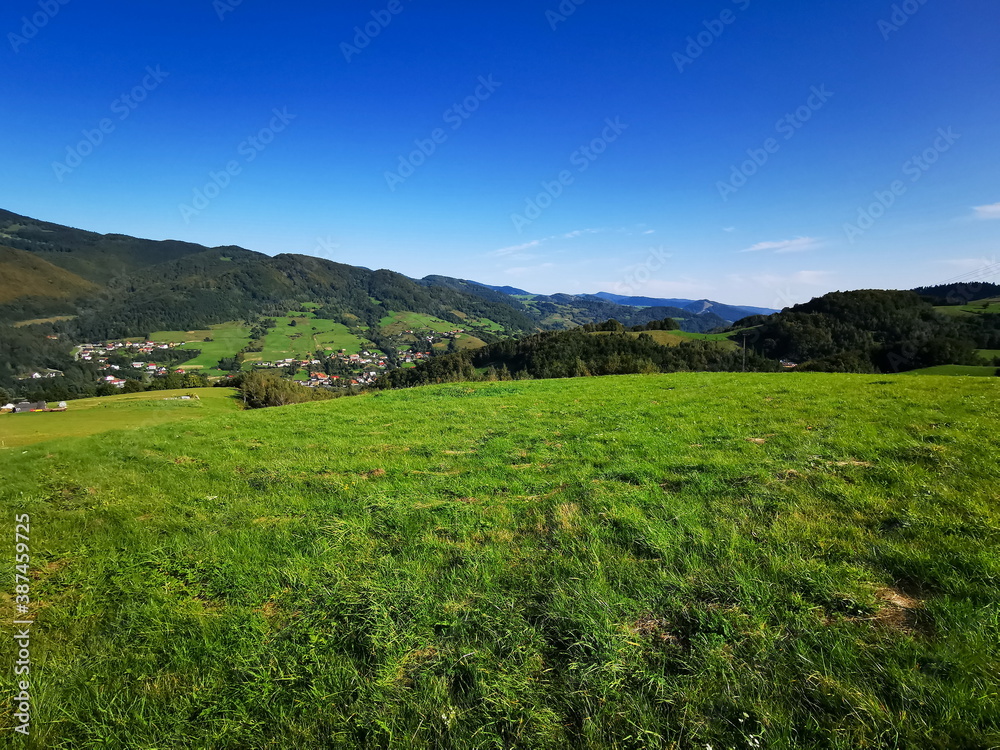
x=395, y=323
x=690, y=560
x=967, y=370
x=676, y=338
x=129, y=411
x=468, y=341
x=305, y=338
x=227, y=339
x=981, y=307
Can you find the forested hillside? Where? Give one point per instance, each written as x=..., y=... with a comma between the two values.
x=565, y=311
x=871, y=331
x=96, y=257
x=606, y=349
x=959, y=293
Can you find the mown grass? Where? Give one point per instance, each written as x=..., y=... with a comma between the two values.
x=675, y=561
x=91, y=416
x=226, y=340
x=980, y=307
x=966, y=370
x=302, y=340
x=676, y=338
x=395, y=323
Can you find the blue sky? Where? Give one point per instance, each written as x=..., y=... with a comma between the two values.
x=750, y=152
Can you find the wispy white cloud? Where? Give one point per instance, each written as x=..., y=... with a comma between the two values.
x=650, y=231
x=514, y=249
x=729, y=229
x=579, y=233
x=798, y=245
x=988, y=212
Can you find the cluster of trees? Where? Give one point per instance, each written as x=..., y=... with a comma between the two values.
x=581, y=352
x=261, y=389
x=165, y=357
x=871, y=331
x=961, y=293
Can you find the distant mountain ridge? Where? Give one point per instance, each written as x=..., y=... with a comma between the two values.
x=729, y=312
x=561, y=311
x=114, y=285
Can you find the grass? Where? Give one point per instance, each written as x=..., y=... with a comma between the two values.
x=961, y=370
x=676, y=338
x=396, y=322
x=227, y=340
x=25, y=274
x=980, y=307
x=38, y=321
x=467, y=341
x=302, y=340
x=675, y=561
x=988, y=354
x=91, y=416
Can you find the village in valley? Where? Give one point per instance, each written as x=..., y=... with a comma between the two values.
x=315, y=352
x=119, y=361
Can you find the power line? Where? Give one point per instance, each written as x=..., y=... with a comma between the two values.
x=987, y=271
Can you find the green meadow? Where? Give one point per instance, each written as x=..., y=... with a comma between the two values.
x=308, y=335
x=966, y=370
x=980, y=307
x=396, y=322
x=669, y=561
x=90, y=416
x=305, y=338
x=676, y=338
x=226, y=340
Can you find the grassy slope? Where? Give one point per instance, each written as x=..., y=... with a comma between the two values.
x=976, y=308
x=227, y=340
x=634, y=562
x=39, y=321
x=968, y=370
x=304, y=338
x=95, y=415
x=676, y=338
x=299, y=341
x=396, y=322
x=26, y=275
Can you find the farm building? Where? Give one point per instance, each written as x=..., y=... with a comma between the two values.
x=26, y=406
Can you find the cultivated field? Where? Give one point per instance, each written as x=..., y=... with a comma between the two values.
x=672, y=561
